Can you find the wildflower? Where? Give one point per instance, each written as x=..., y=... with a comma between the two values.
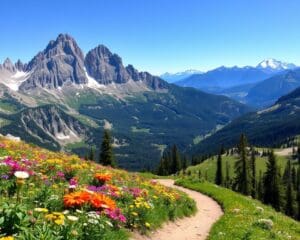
x=102, y=177
x=72, y=218
x=147, y=224
x=99, y=200
x=21, y=174
x=259, y=209
x=134, y=213
x=76, y=199
x=265, y=223
x=44, y=210
x=7, y=238
x=56, y=217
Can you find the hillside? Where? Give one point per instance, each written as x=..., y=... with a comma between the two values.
x=50, y=195
x=268, y=127
x=244, y=218
x=96, y=90
x=208, y=167
x=277, y=86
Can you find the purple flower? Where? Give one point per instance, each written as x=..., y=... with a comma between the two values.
x=5, y=176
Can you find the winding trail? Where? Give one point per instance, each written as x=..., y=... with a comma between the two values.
x=189, y=228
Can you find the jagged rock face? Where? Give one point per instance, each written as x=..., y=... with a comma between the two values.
x=62, y=62
x=8, y=65
x=105, y=67
x=58, y=125
x=20, y=66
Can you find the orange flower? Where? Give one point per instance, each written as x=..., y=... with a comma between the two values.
x=100, y=201
x=76, y=199
x=103, y=177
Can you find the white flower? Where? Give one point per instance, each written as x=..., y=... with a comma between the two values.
x=265, y=223
x=109, y=223
x=93, y=221
x=21, y=174
x=259, y=209
x=72, y=218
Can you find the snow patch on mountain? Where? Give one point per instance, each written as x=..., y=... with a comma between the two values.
x=13, y=80
x=274, y=64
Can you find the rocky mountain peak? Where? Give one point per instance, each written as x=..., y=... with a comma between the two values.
x=105, y=67
x=20, y=66
x=60, y=63
x=8, y=65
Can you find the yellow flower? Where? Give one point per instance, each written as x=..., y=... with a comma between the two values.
x=44, y=210
x=134, y=213
x=147, y=224
x=56, y=217
x=7, y=238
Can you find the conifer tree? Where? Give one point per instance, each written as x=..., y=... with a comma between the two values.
x=175, y=160
x=298, y=193
x=294, y=178
x=242, y=179
x=271, y=183
x=253, y=173
x=298, y=153
x=289, y=208
x=184, y=163
x=227, y=177
x=260, y=189
x=219, y=174
x=106, y=155
x=91, y=155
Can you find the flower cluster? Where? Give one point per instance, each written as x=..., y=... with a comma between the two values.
x=62, y=196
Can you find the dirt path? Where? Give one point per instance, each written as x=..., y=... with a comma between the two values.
x=190, y=228
x=284, y=152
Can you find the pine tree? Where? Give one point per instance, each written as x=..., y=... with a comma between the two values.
x=242, y=180
x=184, y=163
x=253, y=173
x=289, y=209
x=271, y=180
x=294, y=178
x=175, y=160
x=298, y=192
x=222, y=150
x=298, y=153
x=106, y=155
x=260, y=189
x=227, y=177
x=219, y=174
x=91, y=155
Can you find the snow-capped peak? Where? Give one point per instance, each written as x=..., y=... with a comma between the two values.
x=273, y=64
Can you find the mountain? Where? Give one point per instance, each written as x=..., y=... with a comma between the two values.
x=224, y=77
x=47, y=126
x=247, y=84
x=274, y=65
x=63, y=99
x=268, y=127
x=175, y=77
x=266, y=92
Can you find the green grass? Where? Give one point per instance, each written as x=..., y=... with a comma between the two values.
x=241, y=216
x=208, y=167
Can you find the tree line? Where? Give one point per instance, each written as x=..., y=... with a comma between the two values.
x=281, y=191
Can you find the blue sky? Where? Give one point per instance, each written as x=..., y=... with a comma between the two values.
x=158, y=35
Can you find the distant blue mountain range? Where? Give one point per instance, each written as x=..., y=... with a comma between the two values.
x=257, y=86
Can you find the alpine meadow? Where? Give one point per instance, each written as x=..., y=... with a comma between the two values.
x=148, y=120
